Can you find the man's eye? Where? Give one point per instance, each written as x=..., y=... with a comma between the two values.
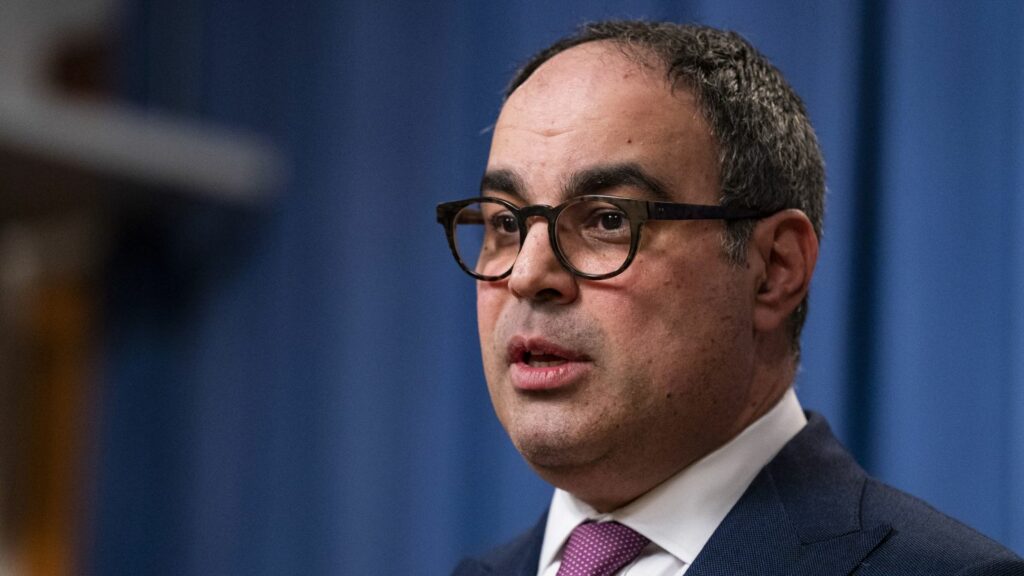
x=598, y=222
x=606, y=220
x=611, y=220
x=505, y=223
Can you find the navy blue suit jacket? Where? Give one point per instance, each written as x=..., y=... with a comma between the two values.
x=813, y=511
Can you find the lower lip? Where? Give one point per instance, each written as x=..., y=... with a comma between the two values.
x=526, y=377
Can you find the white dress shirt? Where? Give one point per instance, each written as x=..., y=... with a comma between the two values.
x=679, y=515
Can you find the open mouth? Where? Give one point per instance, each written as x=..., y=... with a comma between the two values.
x=539, y=366
x=539, y=353
x=542, y=360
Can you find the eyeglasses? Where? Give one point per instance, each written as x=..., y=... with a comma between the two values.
x=594, y=237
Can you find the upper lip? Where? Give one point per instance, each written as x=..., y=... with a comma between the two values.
x=521, y=347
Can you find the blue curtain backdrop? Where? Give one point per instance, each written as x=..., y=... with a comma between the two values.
x=295, y=388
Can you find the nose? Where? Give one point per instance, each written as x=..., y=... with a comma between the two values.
x=537, y=274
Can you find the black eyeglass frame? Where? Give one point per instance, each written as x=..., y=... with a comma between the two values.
x=637, y=211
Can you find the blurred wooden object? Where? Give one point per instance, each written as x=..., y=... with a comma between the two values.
x=48, y=328
x=59, y=410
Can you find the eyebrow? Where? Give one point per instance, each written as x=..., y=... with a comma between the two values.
x=593, y=180
x=601, y=178
x=502, y=180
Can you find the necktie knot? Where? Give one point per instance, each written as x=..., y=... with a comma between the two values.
x=600, y=549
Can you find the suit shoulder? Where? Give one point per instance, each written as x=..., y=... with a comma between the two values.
x=517, y=556
x=926, y=541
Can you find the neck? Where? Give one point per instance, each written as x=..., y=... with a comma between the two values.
x=622, y=476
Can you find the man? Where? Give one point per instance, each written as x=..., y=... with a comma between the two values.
x=640, y=338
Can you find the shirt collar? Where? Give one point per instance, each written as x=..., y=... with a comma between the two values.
x=682, y=513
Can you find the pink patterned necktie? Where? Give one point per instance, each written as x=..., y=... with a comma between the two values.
x=600, y=549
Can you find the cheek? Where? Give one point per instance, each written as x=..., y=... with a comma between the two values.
x=668, y=317
x=490, y=303
x=633, y=327
x=487, y=309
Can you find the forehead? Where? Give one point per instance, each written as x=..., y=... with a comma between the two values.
x=585, y=77
x=593, y=106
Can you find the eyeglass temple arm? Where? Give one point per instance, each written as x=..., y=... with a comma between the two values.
x=444, y=212
x=674, y=211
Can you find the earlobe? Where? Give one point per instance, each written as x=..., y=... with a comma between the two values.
x=787, y=247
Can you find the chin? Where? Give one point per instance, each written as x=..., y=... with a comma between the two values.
x=559, y=452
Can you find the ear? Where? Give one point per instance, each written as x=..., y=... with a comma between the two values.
x=787, y=249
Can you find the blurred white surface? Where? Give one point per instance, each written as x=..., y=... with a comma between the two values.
x=107, y=139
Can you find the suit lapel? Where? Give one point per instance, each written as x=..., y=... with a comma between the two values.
x=801, y=515
x=754, y=539
x=517, y=558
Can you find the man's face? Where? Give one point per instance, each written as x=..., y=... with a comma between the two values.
x=629, y=379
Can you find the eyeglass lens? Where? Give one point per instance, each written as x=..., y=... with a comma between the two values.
x=593, y=237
